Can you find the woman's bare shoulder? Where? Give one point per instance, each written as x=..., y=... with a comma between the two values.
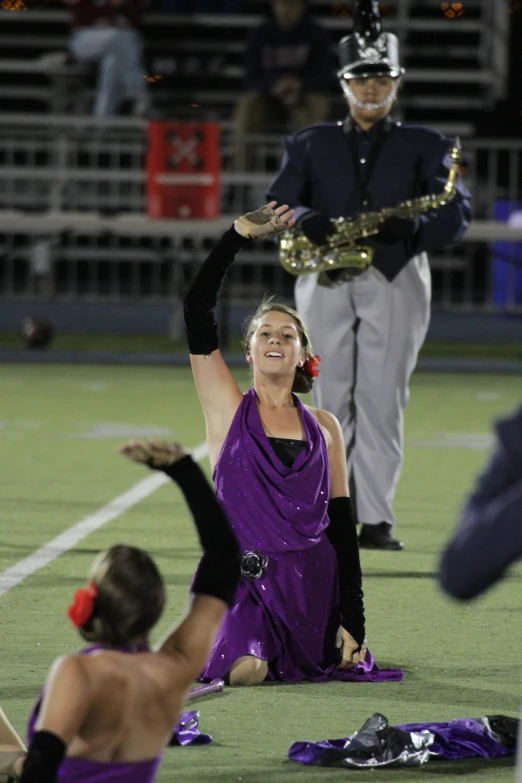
x=69, y=671
x=325, y=419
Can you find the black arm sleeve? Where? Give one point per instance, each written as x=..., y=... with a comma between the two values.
x=342, y=534
x=45, y=754
x=201, y=298
x=218, y=572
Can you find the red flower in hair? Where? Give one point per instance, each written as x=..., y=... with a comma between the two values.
x=311, y=366
x=81, y=608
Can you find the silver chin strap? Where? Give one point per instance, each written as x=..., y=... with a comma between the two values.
x=389, y=98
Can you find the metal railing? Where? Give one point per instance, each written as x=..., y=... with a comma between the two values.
x=78, y=173
x=78, y=257
x=64, y=163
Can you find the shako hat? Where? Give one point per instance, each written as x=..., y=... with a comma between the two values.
x=368, y=51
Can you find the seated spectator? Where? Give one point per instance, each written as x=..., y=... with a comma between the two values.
x=288, y=73
x=106, y=32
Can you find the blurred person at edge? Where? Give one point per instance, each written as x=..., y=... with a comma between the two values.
x=106, y=33
x=488, y=538
x=202, y=6
x=288, y=73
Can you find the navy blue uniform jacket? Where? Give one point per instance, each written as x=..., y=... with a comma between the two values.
x=489, y=537
x=318, y=173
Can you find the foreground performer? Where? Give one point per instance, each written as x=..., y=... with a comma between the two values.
x=108, y=713
x=280, y=474
x=488, y=539
x=369, y=330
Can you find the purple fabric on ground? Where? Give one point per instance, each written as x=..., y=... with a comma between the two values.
x=377, y=744
x=309, y=753
x=462, y=737
x=186, y=731
x=290, y=615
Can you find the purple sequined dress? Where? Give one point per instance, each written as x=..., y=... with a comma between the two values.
x=290, y=615
x=77, y=770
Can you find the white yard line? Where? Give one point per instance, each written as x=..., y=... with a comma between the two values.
x=69, y=538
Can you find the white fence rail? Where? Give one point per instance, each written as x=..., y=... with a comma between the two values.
x=73, y=224
x=64, y=163
x=84, y=256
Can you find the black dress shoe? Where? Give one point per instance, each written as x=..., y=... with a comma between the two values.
x=378, y=537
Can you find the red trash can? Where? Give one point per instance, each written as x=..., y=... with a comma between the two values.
x=183, y=168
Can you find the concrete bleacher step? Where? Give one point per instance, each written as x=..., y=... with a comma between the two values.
x=206, y=51
x=53, y=63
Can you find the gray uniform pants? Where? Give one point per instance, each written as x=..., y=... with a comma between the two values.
x=368, y=332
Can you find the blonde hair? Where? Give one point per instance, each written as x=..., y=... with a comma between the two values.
x=303, y=381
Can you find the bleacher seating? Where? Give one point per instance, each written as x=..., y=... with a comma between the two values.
x=198, y=59
x=68, y=169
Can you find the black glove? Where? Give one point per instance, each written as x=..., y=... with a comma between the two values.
x=396, y=229
x=316, y=227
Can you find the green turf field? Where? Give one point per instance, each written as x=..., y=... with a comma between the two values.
x=86, y=342
x=59, y=430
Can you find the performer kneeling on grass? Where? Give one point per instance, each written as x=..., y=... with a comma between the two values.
x=280, y=475
x=108, y=713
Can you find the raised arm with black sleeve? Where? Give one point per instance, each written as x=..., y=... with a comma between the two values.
x=218, y=571
x=201, y=298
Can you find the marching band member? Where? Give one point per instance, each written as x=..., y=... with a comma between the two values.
x=369, y=330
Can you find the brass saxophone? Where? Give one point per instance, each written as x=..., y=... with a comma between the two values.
x=299, y=256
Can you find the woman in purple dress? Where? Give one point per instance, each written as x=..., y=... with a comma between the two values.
x=105, y=715
x=279, y=469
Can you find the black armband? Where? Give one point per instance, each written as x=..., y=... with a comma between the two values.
x=219, y=570
x=342, y=534
x=201, y=298
x=46, y=753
